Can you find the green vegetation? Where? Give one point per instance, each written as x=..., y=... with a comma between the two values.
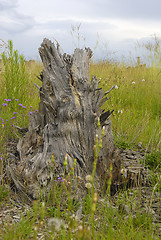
x=19, y=97
x=136, y=100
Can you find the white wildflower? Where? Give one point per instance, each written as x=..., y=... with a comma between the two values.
x=80, y=227
x=124, y=172
x=35, y=229
x=143, y=80
x=55, y=224
x=89, y=178
x=120, y=111
x=116, y=87
x=133, y=82
x=88, y=185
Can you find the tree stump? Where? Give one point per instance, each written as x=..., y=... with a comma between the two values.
x=65, y=125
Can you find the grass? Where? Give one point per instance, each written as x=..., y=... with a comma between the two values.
x=136, y=100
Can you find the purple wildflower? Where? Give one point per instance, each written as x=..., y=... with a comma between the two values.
x=16, y=99
x=7, y=100
x=20, y=104
x=12, y=117
x=4, y=104
x=23, y=106
x=14, y=112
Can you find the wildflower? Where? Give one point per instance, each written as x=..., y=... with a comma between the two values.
x=143, y=80
x=88, y=185
x=16, y=99
x=35, y=229
x=0, y=158
x=20, y=104
x=133, y=82
x=30, y=106
x=95, y=197
x=80, y=227
x=23, y=106
x=120, y=111
x=75, y=160
x=93, y=208
x=14, y=112
x=55, y=224
x=8, y=100
x=66, y=162
x=4, y=104
x=89, y=178
x=124, y=172
x=52, y=158
x=116, y=87
x=12, y=117
x=3, y=125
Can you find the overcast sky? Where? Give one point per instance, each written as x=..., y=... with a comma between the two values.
x=107, y=26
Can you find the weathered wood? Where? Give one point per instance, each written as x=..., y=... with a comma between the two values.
x=66, y=123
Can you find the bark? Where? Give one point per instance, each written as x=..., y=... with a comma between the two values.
x=65, y=125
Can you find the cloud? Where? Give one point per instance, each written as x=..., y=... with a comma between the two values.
x=111, y=23
x=8, y=4
x=131, y=10
x=13, y=22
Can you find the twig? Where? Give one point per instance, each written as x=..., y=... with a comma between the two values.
x=37, y=86
x=110, y=90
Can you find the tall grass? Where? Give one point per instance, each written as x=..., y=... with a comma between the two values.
x=136, y=101
x=18, y=95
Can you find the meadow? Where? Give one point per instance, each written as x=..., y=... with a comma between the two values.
x=136, y=123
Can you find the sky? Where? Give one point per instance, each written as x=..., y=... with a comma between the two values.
x=110, y=28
